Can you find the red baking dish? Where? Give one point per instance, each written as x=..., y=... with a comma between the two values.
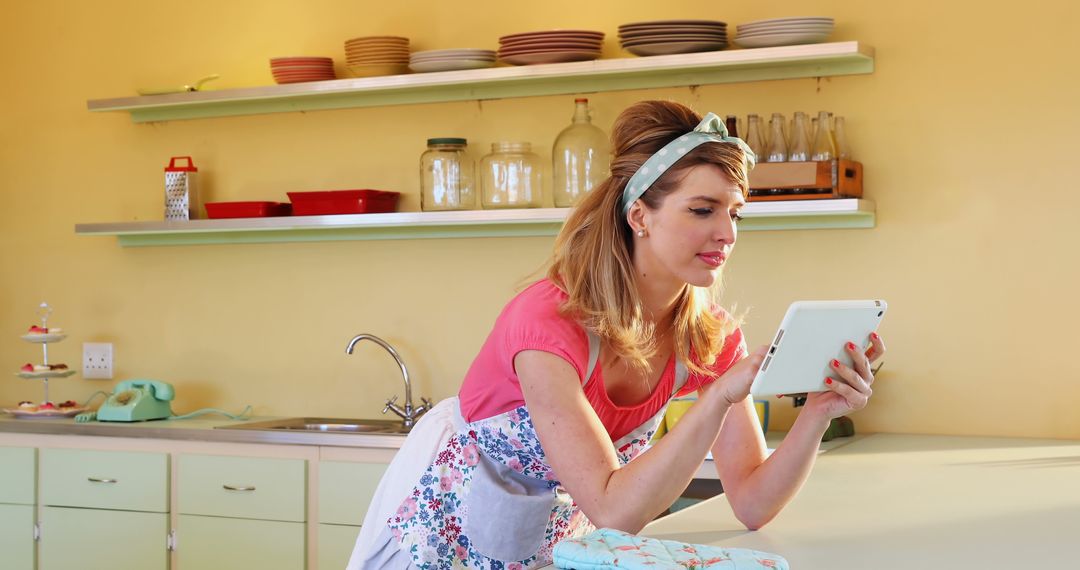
x=246, y=209
x=343, y=202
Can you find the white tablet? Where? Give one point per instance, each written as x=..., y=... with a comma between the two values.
x=811, y=335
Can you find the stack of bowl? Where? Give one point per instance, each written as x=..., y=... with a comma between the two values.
x=663, y=37
x=377, y=55
x=451, y=59
x=300, y=69
x=553, y=46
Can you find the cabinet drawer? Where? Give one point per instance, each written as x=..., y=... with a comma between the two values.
x=244, y=487
x=17, y=475
x=121, y=480
x=336, y=544
x=346, y=490
x=213, y=542
x=94, y=538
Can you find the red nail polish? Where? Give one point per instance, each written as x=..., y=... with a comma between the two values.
x=778, y=396
x=851, y=346
x=828, y=380
x=874, y=336
x=835, y=363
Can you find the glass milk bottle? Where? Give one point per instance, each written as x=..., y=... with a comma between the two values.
x=579, y=158
x=800, y=143
x=778, y=151
x=446, y=176
x=510, y=176
x=823, y=145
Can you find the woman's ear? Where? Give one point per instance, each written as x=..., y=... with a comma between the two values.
x=636, y=217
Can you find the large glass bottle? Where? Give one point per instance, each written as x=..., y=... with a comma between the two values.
x=579, y=158
x=446, y=176
x=778, y=149
x=755, y=136
x=510, y=176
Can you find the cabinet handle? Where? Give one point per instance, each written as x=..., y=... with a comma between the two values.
x=239, y=487
x=100, y=480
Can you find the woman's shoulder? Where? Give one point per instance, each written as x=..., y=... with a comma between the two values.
x=540, y=299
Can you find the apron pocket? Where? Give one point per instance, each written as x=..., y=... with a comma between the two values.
x=508, y=512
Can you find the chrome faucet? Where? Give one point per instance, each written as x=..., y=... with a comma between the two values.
x=409, y=415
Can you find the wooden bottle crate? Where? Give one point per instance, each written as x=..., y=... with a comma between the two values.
x=837, y=178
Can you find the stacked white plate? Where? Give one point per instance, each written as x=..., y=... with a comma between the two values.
x=451, y=59
x=663, y=37
x=783, y=32
x=377, y=55
x=553, y=46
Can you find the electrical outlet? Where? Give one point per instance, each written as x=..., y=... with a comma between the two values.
x=97, y=360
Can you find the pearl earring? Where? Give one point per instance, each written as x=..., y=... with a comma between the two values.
x=641, y=233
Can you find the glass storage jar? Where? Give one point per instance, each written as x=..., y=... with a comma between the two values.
x=446, y=176
x=510, y=176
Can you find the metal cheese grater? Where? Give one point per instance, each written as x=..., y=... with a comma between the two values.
x=181, y=192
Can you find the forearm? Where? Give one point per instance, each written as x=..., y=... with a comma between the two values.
x=639, y=491
x=775, y=482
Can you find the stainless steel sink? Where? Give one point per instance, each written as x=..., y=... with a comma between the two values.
x=326, y=425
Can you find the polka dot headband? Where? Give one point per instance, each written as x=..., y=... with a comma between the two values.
x=710, y=129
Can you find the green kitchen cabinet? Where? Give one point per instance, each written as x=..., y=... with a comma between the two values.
x=241, y=512
x=218, y=542
x=17, y=494
x=103, y=509
x=99, y=538
x=346, y=490
x=17, y=537
x=336, y=545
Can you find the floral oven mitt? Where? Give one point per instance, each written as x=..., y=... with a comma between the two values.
x=612, y=549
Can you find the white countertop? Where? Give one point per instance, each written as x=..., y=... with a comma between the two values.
x=897, y=501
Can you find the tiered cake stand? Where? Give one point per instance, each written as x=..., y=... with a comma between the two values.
x=44, y=339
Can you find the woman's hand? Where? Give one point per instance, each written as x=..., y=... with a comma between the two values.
x=734, y=385
x=848, y=388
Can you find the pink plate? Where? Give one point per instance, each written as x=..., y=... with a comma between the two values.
x=673, y=39
x=553, y=34
x=714, y=23
x=550, y=57
x=668, y=48
x=288, y=60
x=511, y=53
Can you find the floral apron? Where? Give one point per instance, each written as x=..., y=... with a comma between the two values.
x=490, y=500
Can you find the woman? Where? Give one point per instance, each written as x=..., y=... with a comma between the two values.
x=545, y=440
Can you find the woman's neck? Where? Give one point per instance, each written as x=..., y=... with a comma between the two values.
x=658, y=299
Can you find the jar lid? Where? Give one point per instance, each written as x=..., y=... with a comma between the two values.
x=447, y=140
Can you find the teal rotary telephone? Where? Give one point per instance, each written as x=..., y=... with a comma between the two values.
x=136, y=401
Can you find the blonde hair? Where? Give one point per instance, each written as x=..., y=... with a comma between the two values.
x=593, y=258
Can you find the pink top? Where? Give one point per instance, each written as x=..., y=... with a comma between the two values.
x=531, y=321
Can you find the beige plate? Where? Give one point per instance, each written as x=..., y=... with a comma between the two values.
x=787, y=31
x=449, y=65
x=376, y=70
x=774, y=40
x=463, y=52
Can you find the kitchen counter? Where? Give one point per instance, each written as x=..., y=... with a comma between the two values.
x=197, y=429
x=205, y=429
x=899, y=501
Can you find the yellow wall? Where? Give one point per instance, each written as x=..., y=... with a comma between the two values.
x=964, y=128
